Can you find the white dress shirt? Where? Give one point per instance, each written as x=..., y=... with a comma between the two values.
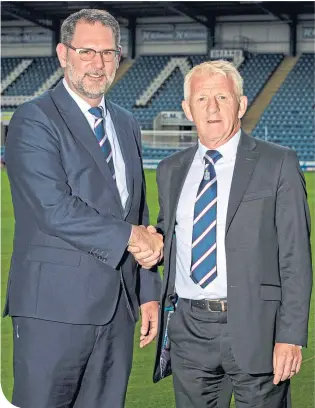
x=119, y=163
x=184, y=285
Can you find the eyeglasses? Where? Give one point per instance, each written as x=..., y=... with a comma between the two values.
x=87, y=54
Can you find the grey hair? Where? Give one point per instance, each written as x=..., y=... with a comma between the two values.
x=90, y=16
x=222, y=67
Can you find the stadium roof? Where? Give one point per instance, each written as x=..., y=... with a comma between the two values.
x=200, y=11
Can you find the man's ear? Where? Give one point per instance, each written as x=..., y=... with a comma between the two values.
x=61, y=50
x=186, y=109
x=119, y=56
x=242, y=106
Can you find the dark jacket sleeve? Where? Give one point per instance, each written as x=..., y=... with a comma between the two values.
x=293, y=229
x=35, y=169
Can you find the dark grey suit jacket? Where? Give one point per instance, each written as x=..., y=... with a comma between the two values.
x=268, y=255
x=71, y=231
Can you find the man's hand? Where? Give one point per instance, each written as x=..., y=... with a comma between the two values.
x=287, y=360
x=146, y=245
x=149, y=322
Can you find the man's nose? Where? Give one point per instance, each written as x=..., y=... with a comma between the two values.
x=98, y=61
x=212, y=106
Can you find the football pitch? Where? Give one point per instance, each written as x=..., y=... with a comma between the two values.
x=141, y=390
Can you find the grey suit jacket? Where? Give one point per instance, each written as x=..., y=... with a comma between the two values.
x=268, y=255
x=71, y=232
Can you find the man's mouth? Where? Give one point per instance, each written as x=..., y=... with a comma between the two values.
x=213, y=121
x=96, y=75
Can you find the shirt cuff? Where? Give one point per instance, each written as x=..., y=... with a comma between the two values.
x=295, y=345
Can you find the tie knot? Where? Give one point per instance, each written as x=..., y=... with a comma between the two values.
x=97, y=112
x=212, y=156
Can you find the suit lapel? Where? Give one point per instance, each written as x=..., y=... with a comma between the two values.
x=80, y=128
x=245, y=163
x=125, y=145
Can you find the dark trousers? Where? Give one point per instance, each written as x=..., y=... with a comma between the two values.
x=202, y=360
x=59, y=365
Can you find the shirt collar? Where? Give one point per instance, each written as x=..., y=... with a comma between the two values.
x=83, y=105
x=228, y=149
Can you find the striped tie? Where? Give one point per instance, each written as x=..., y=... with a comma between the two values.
x=99, y=130
x=204, y=236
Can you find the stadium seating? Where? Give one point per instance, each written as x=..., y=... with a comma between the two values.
x=8, y=65
x=133, y=84
x=33, y=77
x=138, y=78
x=256, y=70
x=154, y=153
x=290, y=118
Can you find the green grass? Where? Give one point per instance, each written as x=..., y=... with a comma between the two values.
x=141, y=390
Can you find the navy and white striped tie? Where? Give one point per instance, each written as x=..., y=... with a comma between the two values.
x=204, y=236
x=99, y=130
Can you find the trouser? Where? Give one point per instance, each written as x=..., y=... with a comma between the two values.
x=61, y=365
x=202, y=360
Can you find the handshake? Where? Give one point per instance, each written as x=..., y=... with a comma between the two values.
x=146, y=245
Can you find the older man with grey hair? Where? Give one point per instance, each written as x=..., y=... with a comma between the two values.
x=75, y=169
x=237, y=260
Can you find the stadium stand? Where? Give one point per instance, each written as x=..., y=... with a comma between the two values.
x=33, y=77
x=134, y=83
x=256, y=70
x=288, y=120
x=8, y=65
x=157, y=154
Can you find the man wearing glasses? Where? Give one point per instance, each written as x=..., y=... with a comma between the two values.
x=75, y=169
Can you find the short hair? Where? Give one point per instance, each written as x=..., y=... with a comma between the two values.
x=222, y=67
x=90, y=16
